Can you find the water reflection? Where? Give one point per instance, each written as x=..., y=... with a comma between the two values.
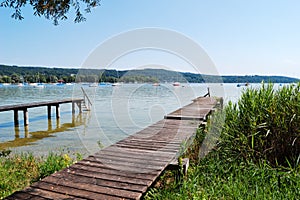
x=31, y=137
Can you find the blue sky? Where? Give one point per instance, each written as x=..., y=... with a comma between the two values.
x=241, y=37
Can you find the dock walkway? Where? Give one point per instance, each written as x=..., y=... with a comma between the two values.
x=128, y=168
x=24, y=107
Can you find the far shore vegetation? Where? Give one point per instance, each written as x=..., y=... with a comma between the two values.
x=254, y=153
x=15, y=74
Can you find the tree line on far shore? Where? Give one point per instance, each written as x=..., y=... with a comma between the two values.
x=15, y=74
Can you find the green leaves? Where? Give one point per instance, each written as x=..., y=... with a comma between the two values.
x=54, y=10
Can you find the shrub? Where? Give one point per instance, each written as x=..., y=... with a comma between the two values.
x=264, y=124
x=53, y=163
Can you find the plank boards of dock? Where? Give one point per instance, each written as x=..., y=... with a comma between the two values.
x=126, y=169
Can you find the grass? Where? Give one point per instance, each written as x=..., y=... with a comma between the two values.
x=214, y=178
x=19, y=171
x=255, y=154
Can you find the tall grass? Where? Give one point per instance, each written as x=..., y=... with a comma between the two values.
x=264, y=125
x=19, y=171
x=256, y=155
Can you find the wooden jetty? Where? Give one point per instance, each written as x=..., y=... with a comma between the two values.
x=24, y=108
x=125, y=170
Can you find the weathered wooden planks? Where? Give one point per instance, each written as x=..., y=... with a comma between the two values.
x=126, y=169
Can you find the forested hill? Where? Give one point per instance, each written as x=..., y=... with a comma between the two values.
x=15, y=74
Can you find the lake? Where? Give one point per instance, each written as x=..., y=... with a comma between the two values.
x=116, y=113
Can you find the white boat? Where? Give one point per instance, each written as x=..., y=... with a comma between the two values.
x=156, y=84
x=33, y=84
x=116, y=84
x=176, y=84
x=93, y=85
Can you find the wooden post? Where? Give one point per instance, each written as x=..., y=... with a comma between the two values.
x=222, y=102
x=80, y=118
x=57, y=123
x=26, y=131
x=57, y=111
x=17, y=132
x=16, y=117
x=26, y=120
x=49, y=125
x=49, y=111
x=79, y=106
x=73, y=107
x=73, y=120
x=78, y=103
x=208, y=92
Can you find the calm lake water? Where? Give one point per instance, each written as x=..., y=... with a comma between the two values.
x=116, y=113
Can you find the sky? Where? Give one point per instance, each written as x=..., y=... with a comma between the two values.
x=241, y=37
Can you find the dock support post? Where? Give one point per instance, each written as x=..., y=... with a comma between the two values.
x=49, y=125
x=79, y=106
x=73, y=120
x=17, y=132
x=26, y=130
x=221, y=102
x=25, y=113
x=57, y=111
x=49, y=111
x=57, y=123
x=73, y=107
x=16, y=117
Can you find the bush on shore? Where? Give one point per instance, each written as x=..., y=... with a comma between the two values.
x=20, y=170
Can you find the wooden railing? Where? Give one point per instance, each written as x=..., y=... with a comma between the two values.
x=208, y=93
x=86, y=100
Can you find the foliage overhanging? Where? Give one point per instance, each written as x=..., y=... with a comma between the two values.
x=51, y=9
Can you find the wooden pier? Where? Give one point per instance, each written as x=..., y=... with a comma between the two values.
x=48, y=104
x=128, y=168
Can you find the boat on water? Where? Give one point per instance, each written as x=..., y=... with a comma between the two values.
x=116, y=84
x=242, y=84
x=155, y=84
x=60, y=84
x=33, y=84
x=93, y=85
x=176, y=84
x=104, y=84
x=39, y=85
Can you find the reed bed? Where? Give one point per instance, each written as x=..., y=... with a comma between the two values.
x=255, y=155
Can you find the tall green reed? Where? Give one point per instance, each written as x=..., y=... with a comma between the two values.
x=264, y=125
